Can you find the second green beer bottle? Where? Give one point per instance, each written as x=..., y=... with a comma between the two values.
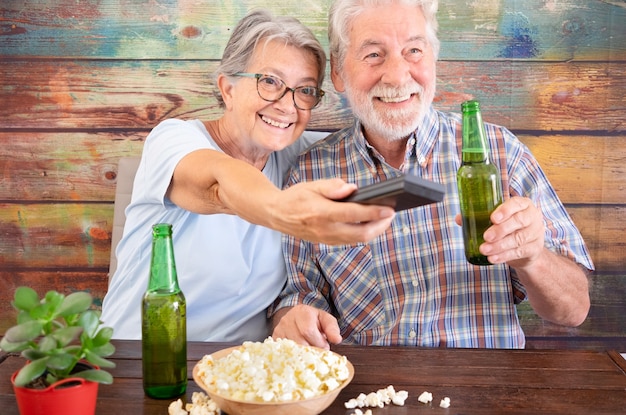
x=478, y=181
x=164, y=322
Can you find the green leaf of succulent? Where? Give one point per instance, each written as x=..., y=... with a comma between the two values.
x=85, y=340
x=54, y=298
x=27, y=331
x=66, y=335
x=89, y=320
x=104, y=350
x=51, y=304
x=51, y=378
x=31, y=372
x=24, y=316
x=47, y=343
x=74, y=349
x=94, y=359
x=8, y=346
x=103, y=337
x=33, y=354
x=61, y=362
x=75, y=303
x=41, y=312
x=25, y=298
x=95, y=375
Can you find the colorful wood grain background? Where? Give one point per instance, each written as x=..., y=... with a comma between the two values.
x=83, y=81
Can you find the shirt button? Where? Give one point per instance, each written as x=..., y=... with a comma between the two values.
x=421, y=159
x=412, y=334
x=415, y=283
x=406, y=230
x=412, y=141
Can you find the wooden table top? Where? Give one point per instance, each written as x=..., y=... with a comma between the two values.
x=477, y=381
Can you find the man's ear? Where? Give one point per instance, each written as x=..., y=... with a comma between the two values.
x=335, y=76
x=226, y=89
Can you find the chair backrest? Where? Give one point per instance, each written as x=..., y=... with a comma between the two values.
x=126, y=169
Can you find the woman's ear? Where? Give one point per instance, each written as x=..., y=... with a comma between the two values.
x=335, y=76
x=226, y=90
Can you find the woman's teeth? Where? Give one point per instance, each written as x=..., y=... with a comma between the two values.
x=275, y=123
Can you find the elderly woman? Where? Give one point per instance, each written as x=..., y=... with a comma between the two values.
x=218, y=182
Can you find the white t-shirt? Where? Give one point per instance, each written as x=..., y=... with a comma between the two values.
x=228, y=269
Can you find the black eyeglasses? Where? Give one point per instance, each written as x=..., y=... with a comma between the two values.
x=271, y=88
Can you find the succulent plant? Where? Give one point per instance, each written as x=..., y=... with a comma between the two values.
x=54, y=334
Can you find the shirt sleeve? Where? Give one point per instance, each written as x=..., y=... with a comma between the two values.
x=165, y=146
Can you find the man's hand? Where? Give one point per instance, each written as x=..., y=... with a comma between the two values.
x=306, y=325
x=517, y=234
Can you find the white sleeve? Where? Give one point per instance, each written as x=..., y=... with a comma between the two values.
x=165, y=146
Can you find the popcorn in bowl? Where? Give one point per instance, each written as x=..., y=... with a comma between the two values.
x=274, y=371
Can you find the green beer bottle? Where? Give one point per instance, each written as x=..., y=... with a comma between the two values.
x=478, y=181
x=164, y=322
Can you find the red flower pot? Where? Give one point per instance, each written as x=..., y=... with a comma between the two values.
x=72, y=396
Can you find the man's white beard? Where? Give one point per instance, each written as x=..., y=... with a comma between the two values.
x=392, y=124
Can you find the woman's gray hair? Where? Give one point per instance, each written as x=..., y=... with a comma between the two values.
x=343, y=12
x=260, y=25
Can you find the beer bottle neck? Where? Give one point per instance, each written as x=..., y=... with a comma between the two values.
x=163, y=275
x=475, y=148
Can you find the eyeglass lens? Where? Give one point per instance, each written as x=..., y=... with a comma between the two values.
x=272, y=89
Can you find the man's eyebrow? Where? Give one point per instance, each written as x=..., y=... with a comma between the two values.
x=367, y=43
x=418, y=38
x=372, y=42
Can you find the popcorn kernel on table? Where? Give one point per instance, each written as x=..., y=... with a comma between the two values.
x=445, y=402
x=200, y=404
x=379, y=399
x=425, y=397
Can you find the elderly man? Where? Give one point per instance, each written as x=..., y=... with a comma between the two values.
x=413, y=285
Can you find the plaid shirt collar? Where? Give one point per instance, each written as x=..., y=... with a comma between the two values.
x=419, y=145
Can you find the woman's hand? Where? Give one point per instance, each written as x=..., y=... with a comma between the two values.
x=309, y=211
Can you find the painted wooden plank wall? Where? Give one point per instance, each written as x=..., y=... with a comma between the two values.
x=108, y=94
x=553, y=30
x=83, y=82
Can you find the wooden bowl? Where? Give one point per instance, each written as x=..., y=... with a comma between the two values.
x=311, y=406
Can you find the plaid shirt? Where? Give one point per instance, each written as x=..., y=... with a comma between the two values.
x=413, y=285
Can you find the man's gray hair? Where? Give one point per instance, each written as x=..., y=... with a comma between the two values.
x=261, y=25
x=343, y=12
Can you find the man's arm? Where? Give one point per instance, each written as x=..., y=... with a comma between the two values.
x=557, y=287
